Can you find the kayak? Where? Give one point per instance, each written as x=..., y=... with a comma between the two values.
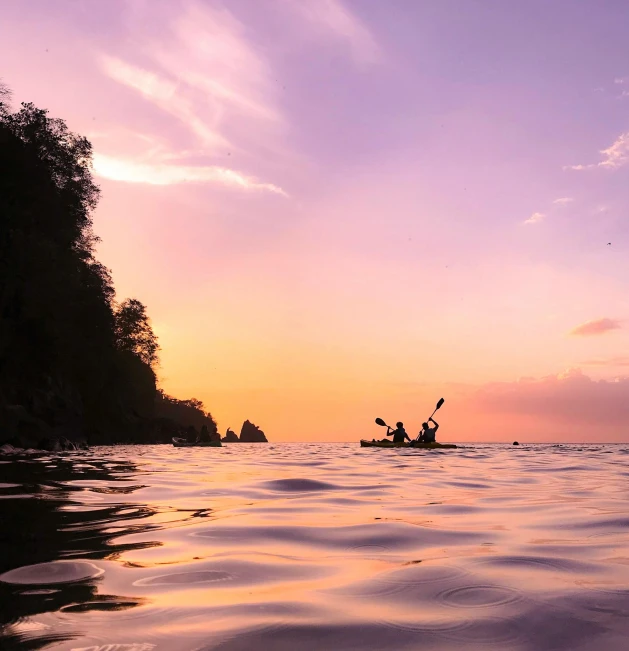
x=389, y=444
x=183, y=443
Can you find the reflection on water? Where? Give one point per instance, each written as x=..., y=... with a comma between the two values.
x=316, y=547
x=42, y=522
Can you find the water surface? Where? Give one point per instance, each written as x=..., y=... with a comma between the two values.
x=316, y=546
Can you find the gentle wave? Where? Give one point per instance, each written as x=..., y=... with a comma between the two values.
x=316, y=546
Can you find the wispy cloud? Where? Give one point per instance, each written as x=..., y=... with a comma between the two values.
x=624, y=83
x=571, y=398
x=129, y=171
x=332, y=17
x=212, y=54
x=535, y=218
x=538, y=217
x=597, y=327
x=205, y=71
x=165, y=94
x=609, y=362
x=615, y=156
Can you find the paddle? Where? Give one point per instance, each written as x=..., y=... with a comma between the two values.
x=379, y=421
x=441, y=401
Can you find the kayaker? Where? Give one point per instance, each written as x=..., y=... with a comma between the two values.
x=428, y=434
x=399, y=434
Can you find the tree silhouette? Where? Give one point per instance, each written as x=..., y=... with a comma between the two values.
x=70, y=357
x=5, y=95
x=56, y=319
x=134, y=333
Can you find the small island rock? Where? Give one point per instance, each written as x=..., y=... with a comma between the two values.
x=230, y=437
x=251, y=433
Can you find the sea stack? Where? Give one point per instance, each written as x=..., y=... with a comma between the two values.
x=251, y=433
x=230, y=437
x=515, y=443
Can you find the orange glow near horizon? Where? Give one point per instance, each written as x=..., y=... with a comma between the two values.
x=325, y=231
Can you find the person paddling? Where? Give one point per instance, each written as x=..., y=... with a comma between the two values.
x=428, y=434
x=399, y=434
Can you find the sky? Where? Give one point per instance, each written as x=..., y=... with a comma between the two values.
x=337, y=210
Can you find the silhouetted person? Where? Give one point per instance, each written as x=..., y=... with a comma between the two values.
x=399, y=434
x=428, y=434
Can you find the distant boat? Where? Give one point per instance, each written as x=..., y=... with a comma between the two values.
x=183, y=443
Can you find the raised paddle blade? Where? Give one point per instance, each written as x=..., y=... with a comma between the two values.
x=379, y=421
x=439, y=403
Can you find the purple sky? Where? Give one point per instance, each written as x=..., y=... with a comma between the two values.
x=321, y=201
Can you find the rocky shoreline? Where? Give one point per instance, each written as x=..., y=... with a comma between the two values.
x=77, y=362
x=23, y=433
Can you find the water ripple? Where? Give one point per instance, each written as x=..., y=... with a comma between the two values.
x=316, y=546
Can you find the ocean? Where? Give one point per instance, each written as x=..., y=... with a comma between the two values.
x=297, y=547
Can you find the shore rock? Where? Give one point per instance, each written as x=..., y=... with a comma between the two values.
x=62, y=444
x=251, y=433
x=230, y=437
x=20, y=428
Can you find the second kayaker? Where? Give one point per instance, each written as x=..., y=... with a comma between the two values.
x=428, y=434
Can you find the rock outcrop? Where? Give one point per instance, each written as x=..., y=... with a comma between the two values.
x=20, y=428
x=230, y=437
x=251, y=433
x=62, y=444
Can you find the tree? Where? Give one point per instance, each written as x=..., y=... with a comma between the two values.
x=5, y=96
x=185, y=412
x=134, y=333
x=58, y=354
x=70, y=357
x=56, y=319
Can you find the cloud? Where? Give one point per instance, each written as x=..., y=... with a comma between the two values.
x=204, y=70
x=165, y=94
x=333, y=18
x=212, y=54
x=129, y=171
x=621, y=80
x=571, y=398
x=615, y=156
x=597, y=327
x=535, y=218
x=610, y=362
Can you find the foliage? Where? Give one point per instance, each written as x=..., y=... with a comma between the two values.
x=133, y=331
x=5, y=96
x=68, y=352
x=185, y=412
x=56, y=317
